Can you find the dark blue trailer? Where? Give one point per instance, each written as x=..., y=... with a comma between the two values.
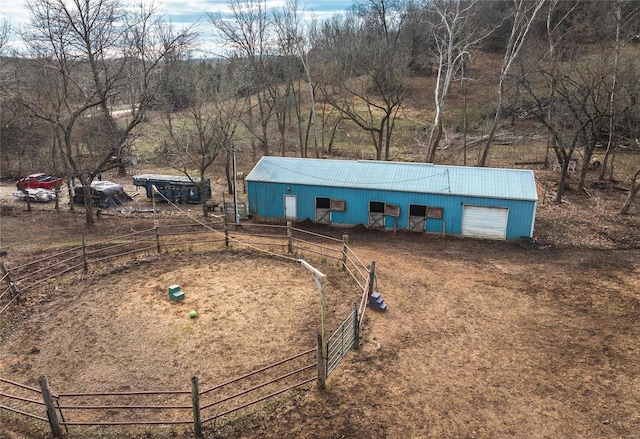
x=175, y=188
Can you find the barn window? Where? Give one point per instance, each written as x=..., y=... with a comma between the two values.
x=385, y=208
x=417, y=210
x=434, y=212
x=338, y=205
x=323, y=203
x=392, y=210
x=376, y=207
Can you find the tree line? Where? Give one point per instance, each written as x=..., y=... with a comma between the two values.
x=93, y=72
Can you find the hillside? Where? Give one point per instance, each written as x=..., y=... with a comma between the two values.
x=483, y=339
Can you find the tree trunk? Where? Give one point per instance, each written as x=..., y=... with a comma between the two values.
x=387, y=139
x=254, y=142
x=634, y=189
x=465, y=127
x=492, y=133
x=563, y=176
x=203, y=194
x=612, y=96
x=378, y=144
x=434, y=141
x=304, y=145
x=88, y=202
x=334, y=130
x=588, y=153
x=227, y=171
x=72, y=206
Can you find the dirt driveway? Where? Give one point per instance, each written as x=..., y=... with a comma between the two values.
x=482, y=339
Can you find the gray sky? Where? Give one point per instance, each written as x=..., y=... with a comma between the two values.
x=183, y=13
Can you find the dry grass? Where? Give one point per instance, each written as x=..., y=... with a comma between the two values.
x=483, y=339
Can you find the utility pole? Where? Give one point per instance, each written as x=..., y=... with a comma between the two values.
x=235, y=187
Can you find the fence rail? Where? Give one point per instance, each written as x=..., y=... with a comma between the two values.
x=355, y=267
x=172, y=407
x=29, y=275
x=260, y=384
x=119, y=408
x=16, y=394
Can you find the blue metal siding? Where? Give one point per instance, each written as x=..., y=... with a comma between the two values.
x=267, y=200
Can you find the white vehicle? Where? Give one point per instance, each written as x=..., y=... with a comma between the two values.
x=36, y=195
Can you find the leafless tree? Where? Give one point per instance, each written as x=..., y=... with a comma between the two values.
x=604, y=103
x=94, y=55
x=249, y=40
x=454, y=35
x=293, y=38
x=525, y=13
x=371, y=92
x=206, y=128
x=624, y=12
x=580, y=100
x=286, y=74
x=556, y=34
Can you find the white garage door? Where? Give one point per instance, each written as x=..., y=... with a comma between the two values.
x=485, y=222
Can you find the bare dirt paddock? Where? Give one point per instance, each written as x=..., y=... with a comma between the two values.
x=482, y=339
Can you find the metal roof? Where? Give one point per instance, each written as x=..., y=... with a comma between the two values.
x=515, y=184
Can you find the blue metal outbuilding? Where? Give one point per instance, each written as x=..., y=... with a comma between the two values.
x=456, y=200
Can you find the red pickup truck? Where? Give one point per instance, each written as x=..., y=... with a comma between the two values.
x=35, y=181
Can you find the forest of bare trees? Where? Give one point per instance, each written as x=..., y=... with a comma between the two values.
x=281, y=84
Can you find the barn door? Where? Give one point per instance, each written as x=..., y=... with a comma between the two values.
x=485, y=222
x=417, y=218
x=376, y=214
x=323, y=210
x=290, y=207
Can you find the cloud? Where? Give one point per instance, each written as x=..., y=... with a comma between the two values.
x=198, y=8
x=189, y=13
x=15, y=13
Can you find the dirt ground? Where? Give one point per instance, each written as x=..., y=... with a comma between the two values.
x=482, y=339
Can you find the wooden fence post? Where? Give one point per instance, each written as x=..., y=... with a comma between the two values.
x=85, y=262
x=51, y=409
x=322, y=365
x=7, y=276
x=372, y=276
x=345, y=243
x=226, y=230
x=195, y=401
x=226, y=221
x=289, y=237
x=157, y=238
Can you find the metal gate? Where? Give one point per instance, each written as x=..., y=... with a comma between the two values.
x=323, y=216
x=417, y=224
x=230, y=210
x=376, y=220
x=341, y=341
